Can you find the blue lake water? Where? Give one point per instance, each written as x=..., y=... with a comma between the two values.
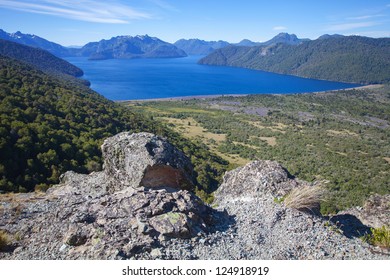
x=132, y=79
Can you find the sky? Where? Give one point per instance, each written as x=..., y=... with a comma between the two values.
x=78, y=22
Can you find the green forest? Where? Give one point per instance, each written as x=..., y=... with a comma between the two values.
x=351, y=59
x=49, y=125
x=338, y=138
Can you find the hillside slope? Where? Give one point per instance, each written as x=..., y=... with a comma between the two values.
x=41, y=59
x=346, y=59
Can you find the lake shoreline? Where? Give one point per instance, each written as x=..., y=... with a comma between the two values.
x=190, y=97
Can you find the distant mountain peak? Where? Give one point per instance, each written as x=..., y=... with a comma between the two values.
x=284, y=38
x=35, y=41
x=199, y=47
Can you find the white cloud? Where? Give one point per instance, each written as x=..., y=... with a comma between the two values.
x=83, y=10
x=279, y=28
x=351, y=26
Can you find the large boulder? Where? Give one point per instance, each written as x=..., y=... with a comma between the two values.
x=256, y=179
x=144, y=159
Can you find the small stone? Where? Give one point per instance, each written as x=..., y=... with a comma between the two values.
x=156, y=253
x=63, y=247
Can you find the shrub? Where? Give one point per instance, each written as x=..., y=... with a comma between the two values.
x=379, y=237
x=305, y=198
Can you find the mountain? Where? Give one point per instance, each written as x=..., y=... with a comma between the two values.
x=36, y=42
x=247, y=43
x=199, y=47
x=39, y=58
x=352, y=59
x=130, y=47
x=281, y=38
x=284, y=38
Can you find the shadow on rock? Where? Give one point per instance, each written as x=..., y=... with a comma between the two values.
x=220, y=221
x=350, y=225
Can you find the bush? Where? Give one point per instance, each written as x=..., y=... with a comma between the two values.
x=305, y=198
x=379, y=237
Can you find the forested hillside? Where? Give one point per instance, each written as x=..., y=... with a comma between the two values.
x=49, y=126
x=39, y=58
x=352, y=59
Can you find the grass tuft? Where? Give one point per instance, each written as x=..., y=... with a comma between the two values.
x=305, y=198
x=4, y=241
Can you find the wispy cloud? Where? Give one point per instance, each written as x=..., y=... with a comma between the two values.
x=279, y=28
x=83, y=10
x=164, y=5
x=366, y=17
x=351, y=26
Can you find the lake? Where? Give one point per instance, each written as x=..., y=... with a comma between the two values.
x=133, y=79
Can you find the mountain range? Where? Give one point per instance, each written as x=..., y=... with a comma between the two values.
x=140, y=46
x=352, y=59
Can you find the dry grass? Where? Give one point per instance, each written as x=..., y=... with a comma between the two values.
x=278, y=127
x=270, y=140
x=305, y=198
x=4, y=240
x=343, y=132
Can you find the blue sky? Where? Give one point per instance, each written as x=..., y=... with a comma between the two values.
x=70, y=22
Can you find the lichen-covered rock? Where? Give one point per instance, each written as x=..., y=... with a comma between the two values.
x=256, y=179
x=172, y=224
x=144, y=159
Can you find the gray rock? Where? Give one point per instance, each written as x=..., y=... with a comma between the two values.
x=375, y=212
x=144, y=159
x=172, y=224
x=256, y=179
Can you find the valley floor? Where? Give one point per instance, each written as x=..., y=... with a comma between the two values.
x=340, y=138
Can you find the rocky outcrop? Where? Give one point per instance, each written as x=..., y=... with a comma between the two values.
x=132, y=210
x=140, y=198
x=144, y=159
